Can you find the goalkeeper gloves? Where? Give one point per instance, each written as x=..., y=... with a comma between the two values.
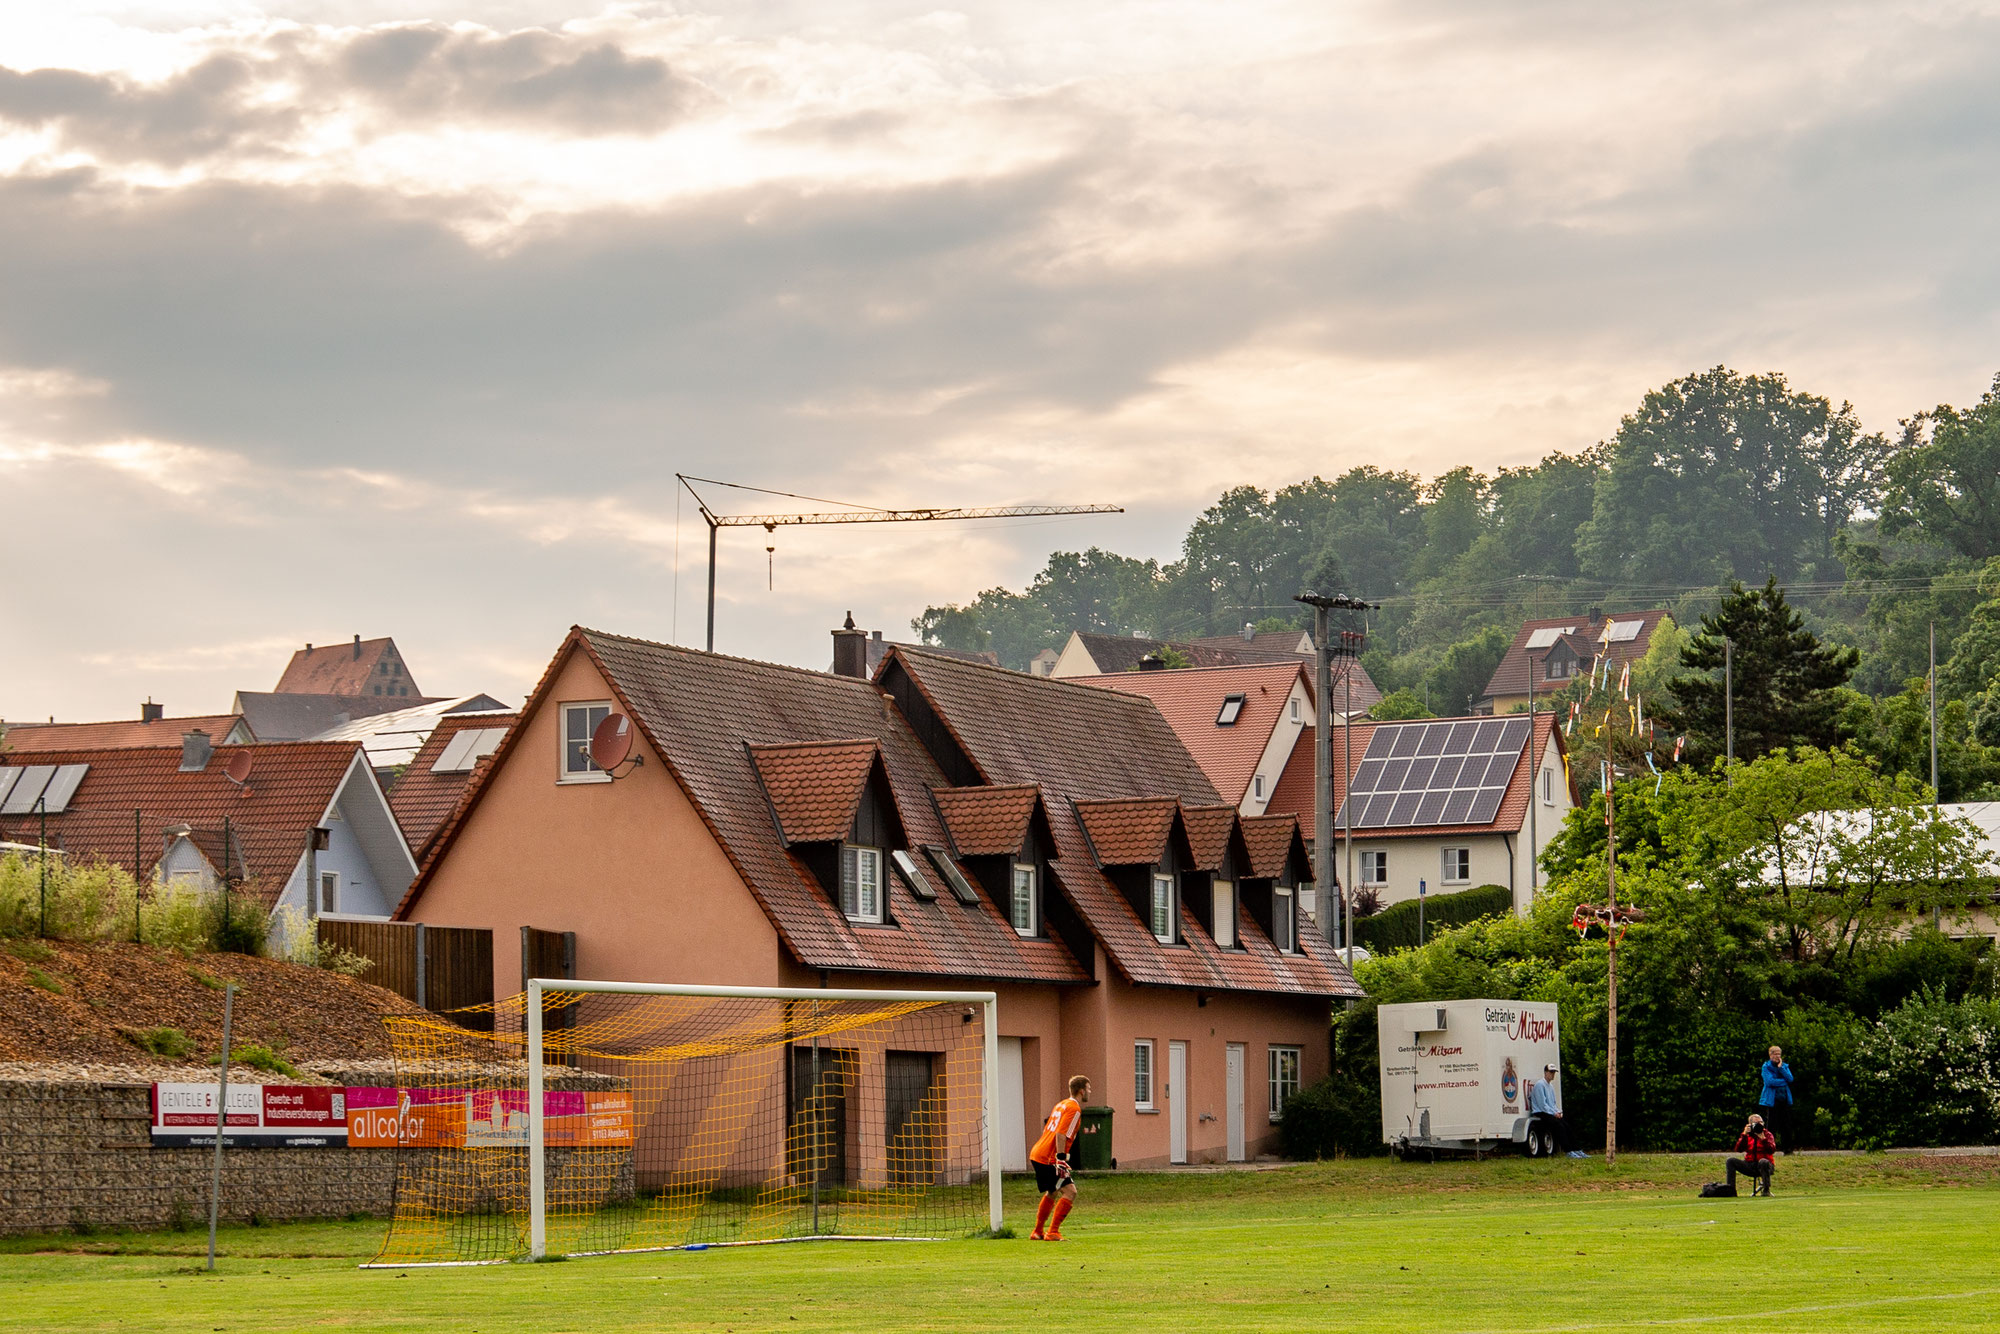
x=1062, y=1167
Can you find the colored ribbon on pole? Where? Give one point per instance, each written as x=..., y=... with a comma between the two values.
x=1658, y=777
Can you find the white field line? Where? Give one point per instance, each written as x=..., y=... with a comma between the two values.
x=1761, y=1315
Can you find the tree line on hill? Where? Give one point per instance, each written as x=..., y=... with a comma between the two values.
x=1853, y=544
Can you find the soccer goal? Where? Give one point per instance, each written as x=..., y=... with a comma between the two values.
x=595, y=1117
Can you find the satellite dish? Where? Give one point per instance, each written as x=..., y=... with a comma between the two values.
x=238, y=769
x=611, y=743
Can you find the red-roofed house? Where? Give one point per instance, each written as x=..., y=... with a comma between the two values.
x=163, y=812
x=436, y=779
x=369, y=667
x=1086, y=654
x=151, y=728
x=1557, y=650
x=782, y=827
x=1240, y=723
x=1453, y=802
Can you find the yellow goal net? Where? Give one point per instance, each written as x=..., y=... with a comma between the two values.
x=583, y=1118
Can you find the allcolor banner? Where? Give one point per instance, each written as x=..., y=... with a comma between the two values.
x=285, y=1116
x=294, y=1116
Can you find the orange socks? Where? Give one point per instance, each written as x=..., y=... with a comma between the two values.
x=1055, y=1224
x=1042, y=1214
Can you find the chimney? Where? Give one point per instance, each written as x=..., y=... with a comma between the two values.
x=850, y=650
x=876, y=635
x=150, y=712
x=195, y=750
x=309, y=648
x=1152, y=662
x=1596, y=615
x=357, y=648
x=1249, y=632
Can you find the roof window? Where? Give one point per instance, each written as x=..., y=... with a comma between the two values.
x=1232, y=709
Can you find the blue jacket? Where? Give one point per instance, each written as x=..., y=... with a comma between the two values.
x=1542, y=1099
x=1777, y=1085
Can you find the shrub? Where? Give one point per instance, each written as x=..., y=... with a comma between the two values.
x=297, y=941
x=206, y=978
x=258, y=1057
x=170, y=1043
x=1396, y=928
x=1335, y=1118
x=90, y=900
x=46, y=981
x=1928, y=1073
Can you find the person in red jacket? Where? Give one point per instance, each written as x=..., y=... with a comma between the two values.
x=1050, y=1158
x=1757, y=1145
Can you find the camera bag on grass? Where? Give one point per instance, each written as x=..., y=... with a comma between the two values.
x=1718, y=1190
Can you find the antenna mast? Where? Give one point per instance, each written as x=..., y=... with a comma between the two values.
x=853, y=514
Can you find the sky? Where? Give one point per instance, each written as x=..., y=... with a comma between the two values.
x=361, y=316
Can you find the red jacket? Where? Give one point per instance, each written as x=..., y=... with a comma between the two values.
x=1758, y=1146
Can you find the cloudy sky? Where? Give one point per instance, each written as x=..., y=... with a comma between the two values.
x=366, y=316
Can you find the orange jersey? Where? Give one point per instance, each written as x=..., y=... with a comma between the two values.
x=1061, y=1127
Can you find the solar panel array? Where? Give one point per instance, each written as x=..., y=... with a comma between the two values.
x=36, y=787
x=1435, y=773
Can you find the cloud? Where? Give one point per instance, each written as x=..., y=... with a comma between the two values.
x=212, y=108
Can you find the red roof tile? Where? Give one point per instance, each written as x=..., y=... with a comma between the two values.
x=291, y=785
x=26, y=737
x=422, y=800
x=1191, y=701
x=814, y=787
x=988, y=821
x=1271, y=840
x=348, y=669
x=1084, y=745
x=1131, y=832
x=1209, y=829
x=702, y=713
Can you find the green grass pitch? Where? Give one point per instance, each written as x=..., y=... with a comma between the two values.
x=1848, y=1243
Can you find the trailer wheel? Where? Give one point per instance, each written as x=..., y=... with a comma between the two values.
x=1532, y=1145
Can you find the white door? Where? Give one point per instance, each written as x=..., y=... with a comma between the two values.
x=1012, y=1114
x=1234, y=1101
x=1176, y=1102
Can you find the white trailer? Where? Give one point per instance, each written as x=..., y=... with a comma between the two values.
x=1455, y=1074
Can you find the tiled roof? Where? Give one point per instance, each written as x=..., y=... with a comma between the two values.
x=421, y=799
x=701, y=713
x=1510, y=678
x=1294, y=792
x=25, y=737
x=348, y=669
x=1271, y=840
x=814, y=787
x=1120, y=654
x=1191, y=701
x=291, y=785
x=1273, y=642
x=1082, y=745
x=1209, y=829
x=879, y=647
x=988, y=821
x=1129, y=832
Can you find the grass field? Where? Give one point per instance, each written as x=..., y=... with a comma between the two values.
x=1848, y=1243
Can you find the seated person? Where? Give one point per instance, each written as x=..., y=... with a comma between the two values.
x=1545, y=1108
x=1757, y=1145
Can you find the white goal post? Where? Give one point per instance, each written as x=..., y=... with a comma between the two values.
x=535, y=1054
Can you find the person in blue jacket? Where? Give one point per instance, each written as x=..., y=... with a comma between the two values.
x=1775, y=1102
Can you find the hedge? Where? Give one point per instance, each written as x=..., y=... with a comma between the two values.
x=1396, y=928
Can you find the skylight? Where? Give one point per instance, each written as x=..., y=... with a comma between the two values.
x=1232, y=709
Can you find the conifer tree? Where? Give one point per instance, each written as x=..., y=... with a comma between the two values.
x=1785, y=682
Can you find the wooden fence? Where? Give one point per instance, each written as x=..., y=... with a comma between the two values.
x=441, y=968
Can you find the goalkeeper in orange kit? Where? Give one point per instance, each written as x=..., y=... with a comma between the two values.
x=1050, y=1157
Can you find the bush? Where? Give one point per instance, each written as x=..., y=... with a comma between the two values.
x=258, y=1057
x=92, y=900
x=296, y=940
x=1928, y=1073
x=169, y=1043
x=1335, y=1118
x=1396, y=928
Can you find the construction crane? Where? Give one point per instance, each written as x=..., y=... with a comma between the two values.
x=770, y=523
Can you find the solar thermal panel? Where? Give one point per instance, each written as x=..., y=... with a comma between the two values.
x=1622, y=632
x=1548, y=635
x=55, y=797
x=8, y=777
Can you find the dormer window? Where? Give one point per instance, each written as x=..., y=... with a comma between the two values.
x=1163, y=908
x=861, y=883
x=1232, y=709
x=1023, y=905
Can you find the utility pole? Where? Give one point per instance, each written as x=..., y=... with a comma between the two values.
x=770, y=523
x=1534, y=786
x=1611, y=972
x=1337, y=924
x=1729, y=703
x=1932, y=679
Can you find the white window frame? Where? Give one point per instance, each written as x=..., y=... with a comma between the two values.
x=1258, y=781
x=1375, y=867
x=1548, y=785
x=1298, y=709
x=1284, y=919
x=1283, y=1066
x=590, y=773
x=1164, y=908
x=856, y=900
x=1222, y=903
x=1142, y=1075
x=1032, y=904
x=1449, y=860
x=329, y=891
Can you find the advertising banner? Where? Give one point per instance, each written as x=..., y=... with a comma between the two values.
x=295, y=1116
x=290, y=1116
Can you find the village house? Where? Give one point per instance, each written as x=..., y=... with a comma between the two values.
x=946, y=824
x=151, y=728
x=299, y=825
x=1452, y=803
x=1554, y=651
x=1087, y=654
